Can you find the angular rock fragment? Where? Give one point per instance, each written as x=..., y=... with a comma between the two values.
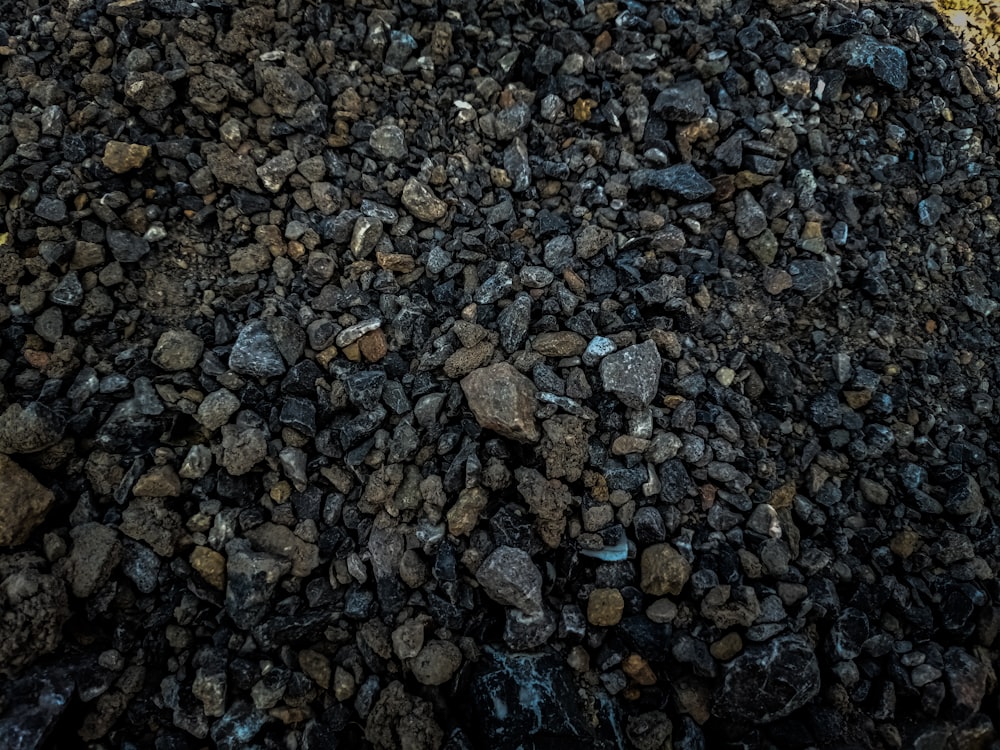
x=769, y=680
x=633, y=374
x=256, y=352
x=864, y=53
x=95, y=553
x=34, y=607
x=24, y=503
x=177, y=350
x=29, y=429
x=663, y=570
x=682, y=102
x=121, y=157
x=681, y=180
x=251, y=578
x=503, y=400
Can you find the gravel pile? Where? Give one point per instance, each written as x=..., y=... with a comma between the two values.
x=444, y=373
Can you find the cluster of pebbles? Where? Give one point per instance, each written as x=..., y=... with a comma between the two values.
x=445, y=373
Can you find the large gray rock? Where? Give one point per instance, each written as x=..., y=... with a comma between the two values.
x=388, y=142
x=769, y=681
x=681, y=180
x=865, y=54
x=633, y=374
x=95, y=554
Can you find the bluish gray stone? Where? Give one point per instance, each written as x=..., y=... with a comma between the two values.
x=865, y=53
x=256, y=352
x=126, y=246
x=518, y=696
x=50, y=209
x=681, y=180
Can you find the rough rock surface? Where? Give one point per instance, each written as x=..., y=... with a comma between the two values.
x=771, y=680
x=34, y=609
x=24, y=502
x=499, y=374
x=503, y=400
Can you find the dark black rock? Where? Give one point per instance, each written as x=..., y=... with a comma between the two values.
x=812, y=277
x=532, y=700
x=681, y=180
x=824, y=411
x=299, y=414
x=849, y=633
x=769, y=680
x=364, y=389
x=675, y=482
x=256, y=352
x=126, y=246
x=301, y=379
x=33, y=705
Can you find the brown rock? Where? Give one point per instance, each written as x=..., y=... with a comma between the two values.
x=559, y=344
x=467, y=359
x=464, y=514
x=281, y=540
x=905, y=543
x=420, y=201
x=316, y=667
x=29, y=429
x=373, y=345
x=231, y=168
x=548, y=500
x=210, y=565
x=777, y=281
x=436, y=663
x=120, y=157
x=726, y=647
x=624, y=445
x=638, y=670
x=396, y=262
x=503, y=400
x=727, y=606
x=23, y=502
x=400, y=719
x=177, y=350
x=160, y=481
x=148, y=520
x=664, y=570
x=858, y=399
x=565, y=446
x=605, y=607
